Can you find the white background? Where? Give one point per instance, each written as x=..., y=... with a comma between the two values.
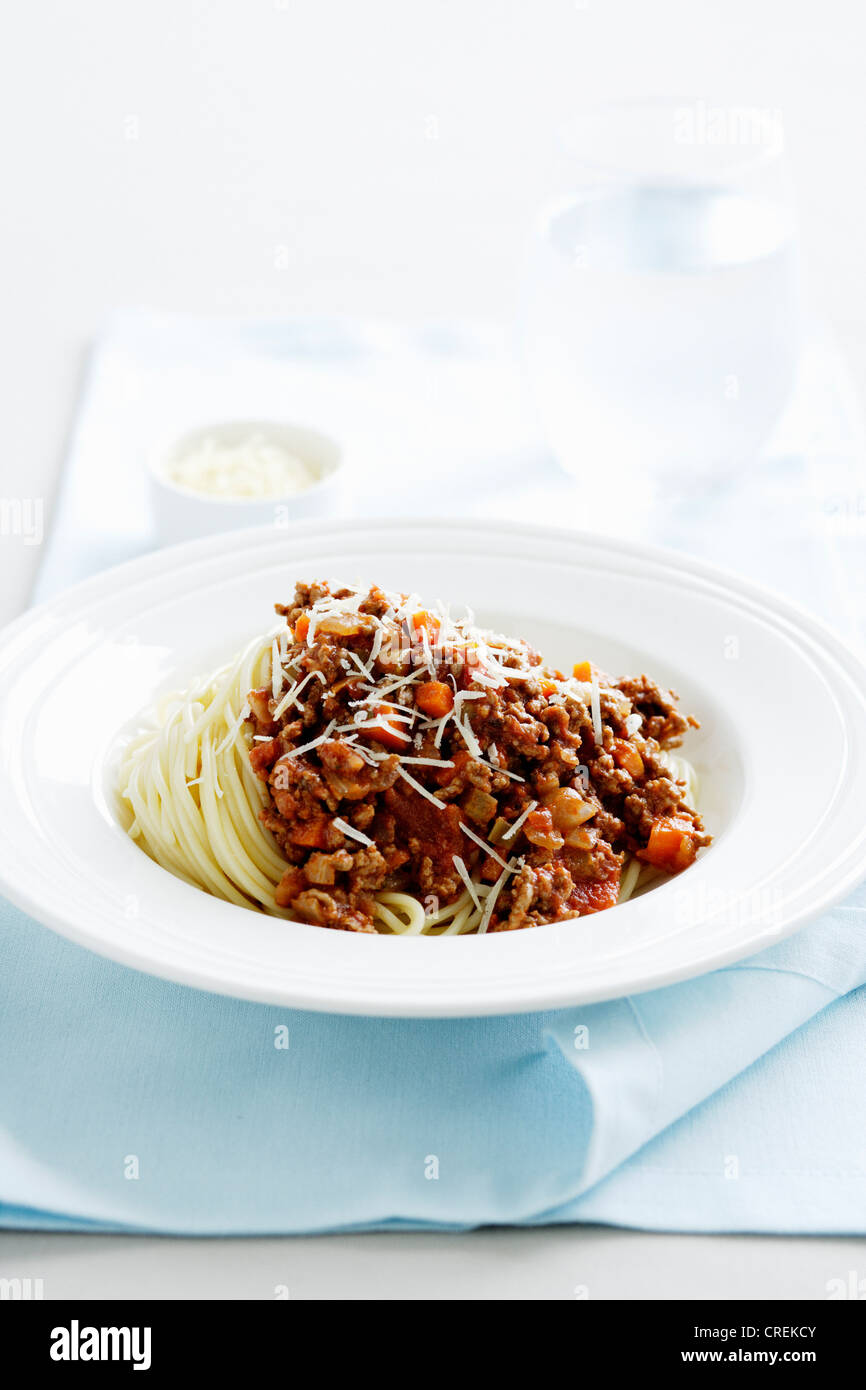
x=379, y=159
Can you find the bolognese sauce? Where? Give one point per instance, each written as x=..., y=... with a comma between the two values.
x=415, y=753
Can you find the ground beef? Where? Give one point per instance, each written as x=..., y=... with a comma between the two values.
x=661, y=719
x=327, y=910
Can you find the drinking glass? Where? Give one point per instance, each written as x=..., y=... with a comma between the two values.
x=661, y=314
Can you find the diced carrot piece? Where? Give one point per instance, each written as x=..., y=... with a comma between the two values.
x=626, y=756
x=310, y=833
x=446, y=774
x=490, y=869
x=387, y=731
x=435, y=698
x=428, y=622
x=548, y=686
x=302, y=627
x=671, y=845
x=582, y=670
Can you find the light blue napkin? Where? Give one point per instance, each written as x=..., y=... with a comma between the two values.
x=732, y=1102
x=129, y=1102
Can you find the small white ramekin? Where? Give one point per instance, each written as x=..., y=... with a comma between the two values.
x=180, y=513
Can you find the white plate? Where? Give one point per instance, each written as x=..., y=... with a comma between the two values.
x=781, y=753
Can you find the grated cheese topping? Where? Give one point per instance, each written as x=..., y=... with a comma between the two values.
x=352, y=833
x=595, y=705
x=516, y=825
x=314, y=743
x=464, y=874
x=510, y=868
x=413, y=782
x=482, y=844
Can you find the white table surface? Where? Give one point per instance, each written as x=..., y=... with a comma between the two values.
x=552, y=1263
x=378, y=160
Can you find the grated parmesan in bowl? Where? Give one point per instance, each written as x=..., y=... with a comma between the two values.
x=254, y=466
x=241, y=473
